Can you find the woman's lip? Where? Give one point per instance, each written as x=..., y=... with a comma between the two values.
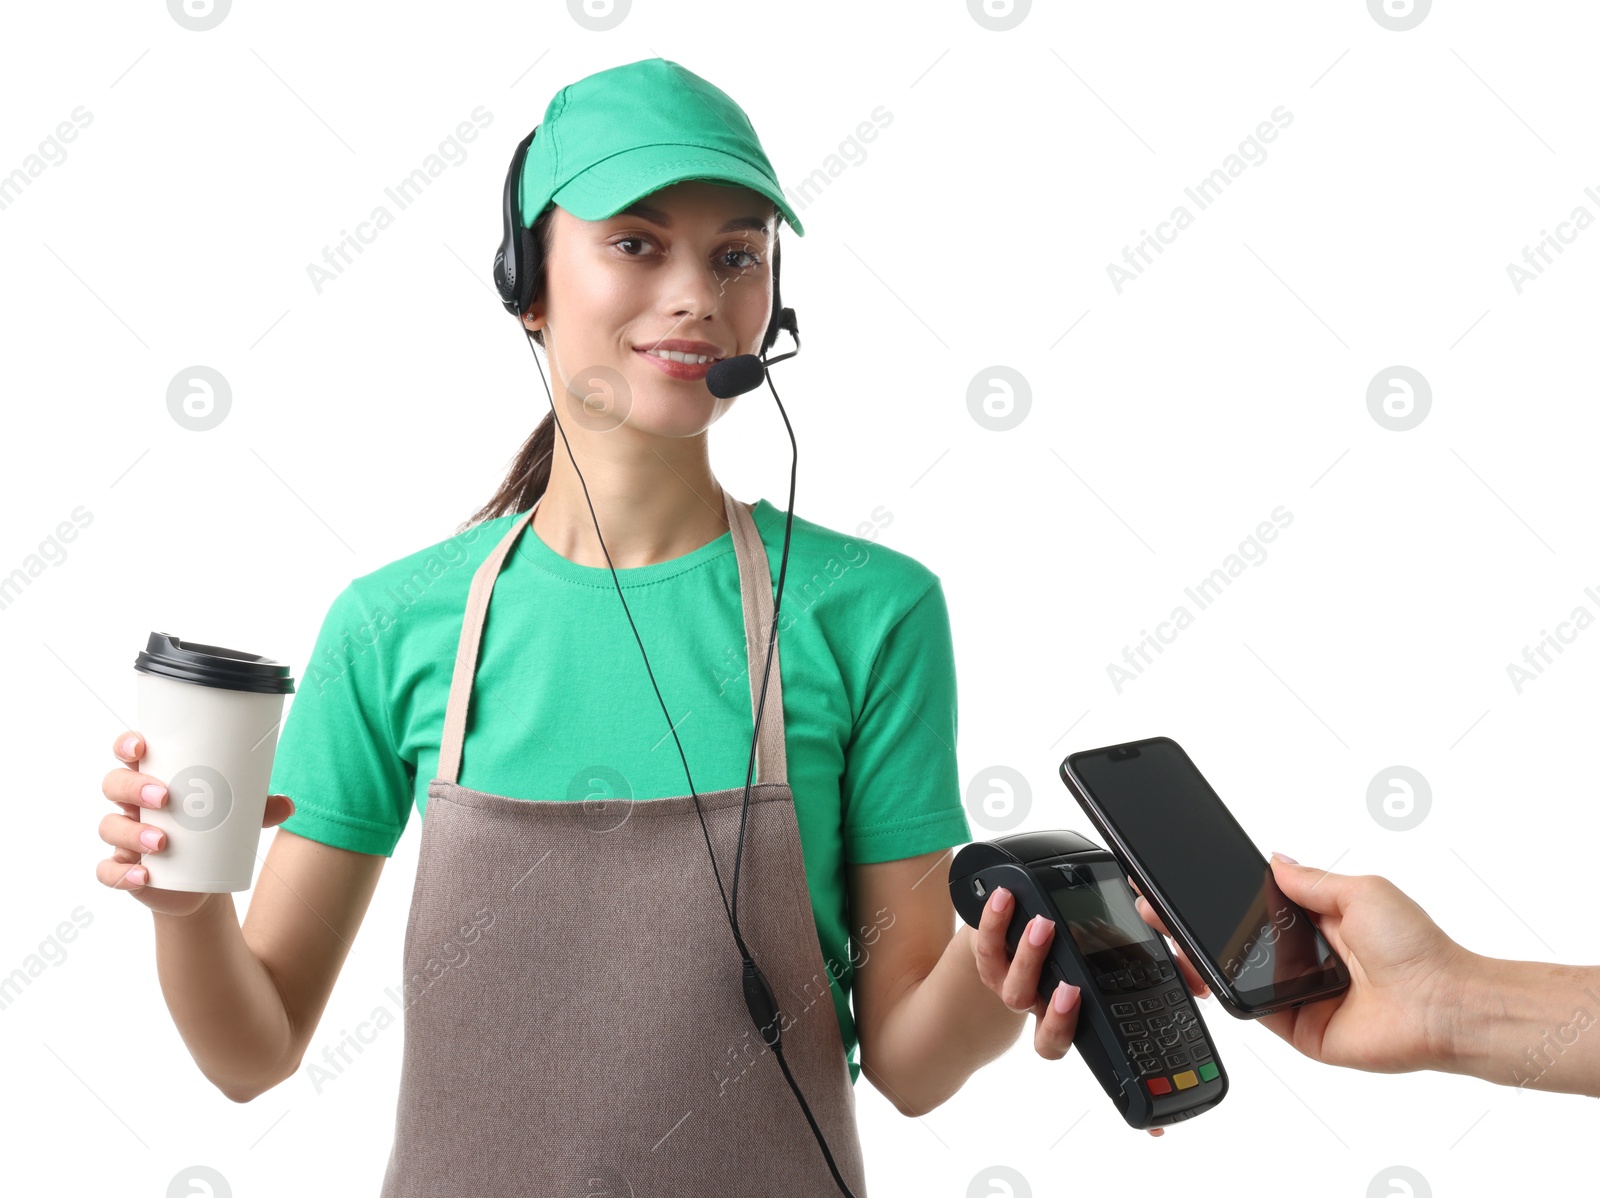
x=677, y=370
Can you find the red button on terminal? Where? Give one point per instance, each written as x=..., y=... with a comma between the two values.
x=1159, y=1085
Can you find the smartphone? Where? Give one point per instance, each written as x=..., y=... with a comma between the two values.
x=1258, y=951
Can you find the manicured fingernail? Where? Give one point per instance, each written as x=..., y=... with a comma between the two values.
x=1063, y=997
x=1039, y=930
x=129, y=745
x=151, y=793
x=1290, y=860
x=998, y=900
x=136, y=876
x=150, y=839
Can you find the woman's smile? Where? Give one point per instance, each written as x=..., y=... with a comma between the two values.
x=681, y=359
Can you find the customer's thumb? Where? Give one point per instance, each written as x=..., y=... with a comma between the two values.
x=1314, y=889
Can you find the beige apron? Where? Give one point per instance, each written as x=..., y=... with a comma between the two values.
x=574, y=1017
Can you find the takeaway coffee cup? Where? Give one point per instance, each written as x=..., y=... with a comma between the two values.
x=209, y=717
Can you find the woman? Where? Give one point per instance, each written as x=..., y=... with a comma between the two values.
x=573, y=1005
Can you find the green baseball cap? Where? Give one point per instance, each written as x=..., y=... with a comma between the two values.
x=614, y=137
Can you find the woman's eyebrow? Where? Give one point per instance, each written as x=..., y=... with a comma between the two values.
x=656, y=216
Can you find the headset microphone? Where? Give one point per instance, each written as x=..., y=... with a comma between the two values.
x=745, y=372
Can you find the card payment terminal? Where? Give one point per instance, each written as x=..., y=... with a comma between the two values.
x=1138, y=1026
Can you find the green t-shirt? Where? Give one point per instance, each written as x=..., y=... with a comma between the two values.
x=869, y=697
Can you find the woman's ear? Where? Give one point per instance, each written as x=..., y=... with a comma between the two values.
x=533, y=319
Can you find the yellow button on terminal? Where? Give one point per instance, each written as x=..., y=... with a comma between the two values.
x=1185, y=1079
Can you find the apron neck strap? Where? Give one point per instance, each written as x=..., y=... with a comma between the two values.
x=755, y=589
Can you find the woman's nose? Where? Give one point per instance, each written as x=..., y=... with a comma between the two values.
x=694, y=293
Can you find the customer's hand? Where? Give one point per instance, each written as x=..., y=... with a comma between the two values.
x=1015, y=978
x=1406, y=975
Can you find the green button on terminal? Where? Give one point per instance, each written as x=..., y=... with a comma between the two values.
x=1208, y=1071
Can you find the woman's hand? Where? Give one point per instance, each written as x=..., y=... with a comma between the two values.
x=130, y=791
x=1016, y=978
x=1406, y=975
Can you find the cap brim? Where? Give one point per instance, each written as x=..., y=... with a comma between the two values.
x=608, y=187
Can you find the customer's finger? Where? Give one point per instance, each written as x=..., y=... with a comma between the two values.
x=1191, y=975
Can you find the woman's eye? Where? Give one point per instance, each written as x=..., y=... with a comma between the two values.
x=751, y=259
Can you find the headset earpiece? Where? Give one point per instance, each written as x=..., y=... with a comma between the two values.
x=515, y=264
x=776, y=323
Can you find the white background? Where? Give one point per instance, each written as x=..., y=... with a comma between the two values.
x=1166, y=422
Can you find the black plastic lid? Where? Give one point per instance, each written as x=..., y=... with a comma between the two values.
x=211, y=665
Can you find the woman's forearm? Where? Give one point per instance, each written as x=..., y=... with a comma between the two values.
x=1530, y=1023
x=943, y=1030
x=222, y=999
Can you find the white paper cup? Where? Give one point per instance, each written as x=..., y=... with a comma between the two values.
x=209, y=717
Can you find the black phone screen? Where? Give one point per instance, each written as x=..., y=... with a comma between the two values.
x=1212, y=877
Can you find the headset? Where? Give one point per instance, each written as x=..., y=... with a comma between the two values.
x=517, y=262
x=517, y=266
